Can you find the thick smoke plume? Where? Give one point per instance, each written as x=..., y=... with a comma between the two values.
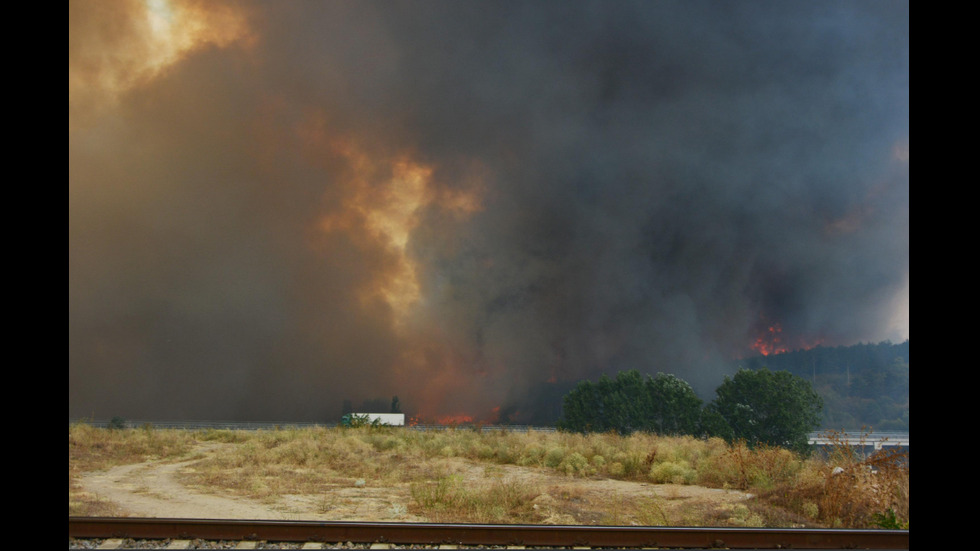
x=276, y=206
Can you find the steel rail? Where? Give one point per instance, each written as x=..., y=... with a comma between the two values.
x=486, y=534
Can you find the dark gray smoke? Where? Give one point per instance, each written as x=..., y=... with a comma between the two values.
x=659, y=183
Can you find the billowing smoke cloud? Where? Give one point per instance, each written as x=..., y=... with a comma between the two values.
x=277, y=206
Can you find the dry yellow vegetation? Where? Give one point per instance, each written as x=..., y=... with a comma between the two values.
x=465, y=475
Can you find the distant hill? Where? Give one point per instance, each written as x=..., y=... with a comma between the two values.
x=864, y=385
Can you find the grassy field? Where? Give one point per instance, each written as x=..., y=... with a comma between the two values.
x=842, y=490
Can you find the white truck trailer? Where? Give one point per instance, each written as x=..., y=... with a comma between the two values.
x=364, y=419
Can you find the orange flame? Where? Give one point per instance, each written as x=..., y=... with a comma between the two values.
x=457, y=419
x=453, y=419
x=769, y=342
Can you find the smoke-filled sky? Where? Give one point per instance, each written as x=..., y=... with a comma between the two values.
x=279, y=205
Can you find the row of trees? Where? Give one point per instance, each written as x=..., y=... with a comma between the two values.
x=758, y=406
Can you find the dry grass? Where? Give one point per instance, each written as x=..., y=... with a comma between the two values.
x=266, y=465
x=450, y=499
x=91, y=448
x=760, y=468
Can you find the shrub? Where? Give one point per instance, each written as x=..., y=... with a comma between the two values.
x=671, y=472
x=553, y=457
x=575, y=464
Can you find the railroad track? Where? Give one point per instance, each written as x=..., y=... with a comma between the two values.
x=485, y=534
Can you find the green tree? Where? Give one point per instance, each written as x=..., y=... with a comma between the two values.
x=581, y=409
x=664, y=404
x=765, y=407
x=673, y=407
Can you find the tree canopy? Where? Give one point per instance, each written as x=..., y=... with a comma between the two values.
x=663, y=404
x=758, y=406
x=674, y=408
x=768, y=407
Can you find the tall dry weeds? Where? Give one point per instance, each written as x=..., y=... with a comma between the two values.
x=92, y=448
x=450, y=499
x=860, y=490
x=848, y=488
